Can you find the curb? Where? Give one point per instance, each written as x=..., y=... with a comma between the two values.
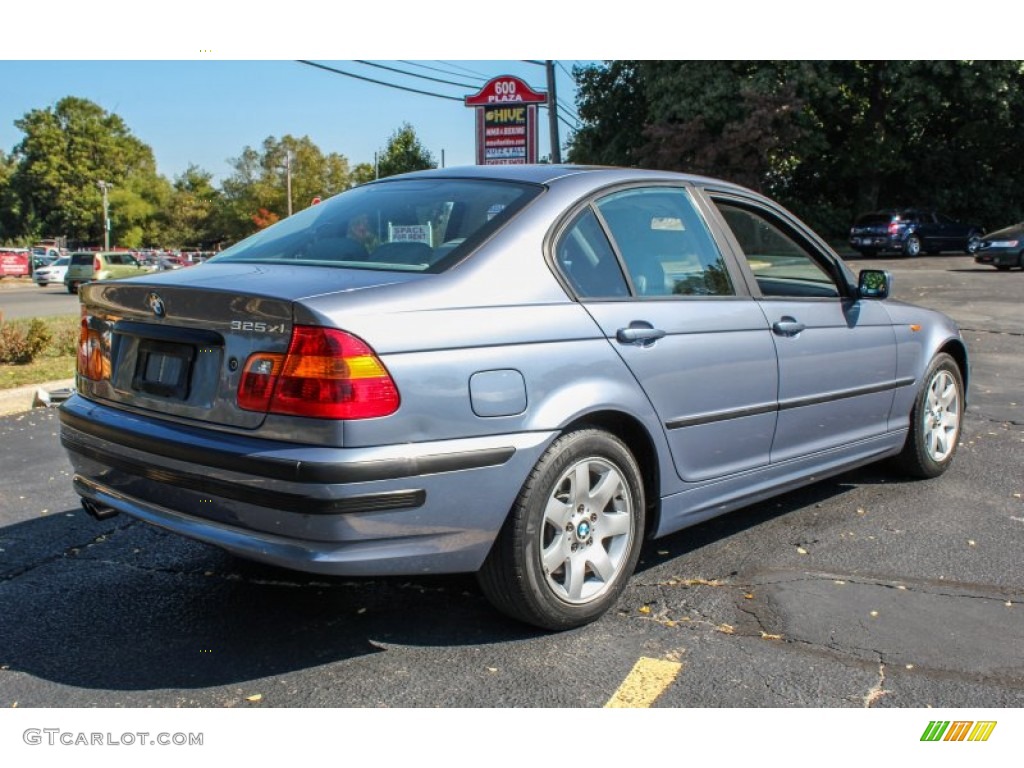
x=20, y=399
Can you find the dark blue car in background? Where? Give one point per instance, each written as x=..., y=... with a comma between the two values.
x=911, y=231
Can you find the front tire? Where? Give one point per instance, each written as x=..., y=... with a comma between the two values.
x=935, y=420
x=573, y=537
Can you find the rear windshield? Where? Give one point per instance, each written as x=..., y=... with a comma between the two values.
x=421, y=225
x=81, y=259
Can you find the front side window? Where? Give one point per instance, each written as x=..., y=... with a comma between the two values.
x=781, y=263
x=664, y=243
x=416, y=225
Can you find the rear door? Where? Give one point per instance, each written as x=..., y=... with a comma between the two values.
x=836, y=354
x=644, y=264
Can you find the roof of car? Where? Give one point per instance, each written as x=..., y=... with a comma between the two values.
x=547, y=174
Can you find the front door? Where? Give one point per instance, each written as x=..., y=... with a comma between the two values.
x=837, y=354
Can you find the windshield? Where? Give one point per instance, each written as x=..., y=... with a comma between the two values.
x=416, y=225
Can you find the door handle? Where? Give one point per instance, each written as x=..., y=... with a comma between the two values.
x=639, y=331
x=788, y=326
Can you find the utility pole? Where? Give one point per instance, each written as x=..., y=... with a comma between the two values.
x=103, y=185
x=556, y=144
x=288, y=177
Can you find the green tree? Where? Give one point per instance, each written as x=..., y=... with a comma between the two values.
x=66, y=150
x=363, y=173
x=260, y=182
x=9, y=204
x=404, y=153
x=191, y=216
x=829, y=139
x=612, y=104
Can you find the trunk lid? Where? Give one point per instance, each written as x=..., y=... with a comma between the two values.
x=176, y=343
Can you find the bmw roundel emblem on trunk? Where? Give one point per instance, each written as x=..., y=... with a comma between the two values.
x=156, y=304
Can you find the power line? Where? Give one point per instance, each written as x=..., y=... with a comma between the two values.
x=569, y=110
x=481, y=78
x=464, y=69
x=413, y=74
x=567, y=123
x=567, y=72
x=379, y=82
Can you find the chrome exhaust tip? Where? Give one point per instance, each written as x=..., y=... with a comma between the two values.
x=98, y=511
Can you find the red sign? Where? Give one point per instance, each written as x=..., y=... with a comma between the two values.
x=506, y=121
x=13, y=264
x=316, y=200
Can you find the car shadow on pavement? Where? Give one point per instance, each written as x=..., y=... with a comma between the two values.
x=132, y=607
x=121, y=605
x=658, y=552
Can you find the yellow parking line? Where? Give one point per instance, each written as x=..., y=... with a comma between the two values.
x=648, y=679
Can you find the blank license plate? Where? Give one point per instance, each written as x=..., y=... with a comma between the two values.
x=163, y=369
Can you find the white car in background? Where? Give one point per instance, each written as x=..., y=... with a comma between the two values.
x=52, y=273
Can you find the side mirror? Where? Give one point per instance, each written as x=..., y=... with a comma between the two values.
x=874, y=284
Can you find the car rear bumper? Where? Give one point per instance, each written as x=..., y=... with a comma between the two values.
x=405, y=509
x=876, y=243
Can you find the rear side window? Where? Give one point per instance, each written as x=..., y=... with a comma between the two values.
x=416, y=225
x=664, y=243
x=588, y=261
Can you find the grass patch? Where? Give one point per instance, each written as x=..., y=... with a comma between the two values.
x=55, y=361
x=39, y=370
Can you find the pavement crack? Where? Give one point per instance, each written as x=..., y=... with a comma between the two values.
x=992, y=420
x=72, y=551
x=993, y=332
x=877, y=691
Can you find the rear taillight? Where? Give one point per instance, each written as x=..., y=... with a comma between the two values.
x=894, y=228
x=97, y=265
x=92, y=362
x=326, y=373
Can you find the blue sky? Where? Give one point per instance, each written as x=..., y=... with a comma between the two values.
x=226, y=77
x=205, y=112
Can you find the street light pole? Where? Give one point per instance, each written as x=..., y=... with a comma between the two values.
x=104, y=185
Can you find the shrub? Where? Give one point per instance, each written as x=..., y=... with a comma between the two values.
x=20, y=345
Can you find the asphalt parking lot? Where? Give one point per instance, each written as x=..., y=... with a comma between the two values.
x=865, y=590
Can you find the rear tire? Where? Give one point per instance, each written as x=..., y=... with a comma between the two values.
x=912, y=246
x=573, y=537
x=973, y=243
x=935, y=420
x=72, y=287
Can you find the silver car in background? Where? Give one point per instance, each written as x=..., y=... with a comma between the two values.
x=519, y=371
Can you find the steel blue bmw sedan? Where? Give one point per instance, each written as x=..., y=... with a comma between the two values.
x=517, y=371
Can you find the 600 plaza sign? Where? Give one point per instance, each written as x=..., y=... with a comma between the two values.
x=506, y=121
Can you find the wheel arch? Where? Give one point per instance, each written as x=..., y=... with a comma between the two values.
x=955, y=348
x=637, y=438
